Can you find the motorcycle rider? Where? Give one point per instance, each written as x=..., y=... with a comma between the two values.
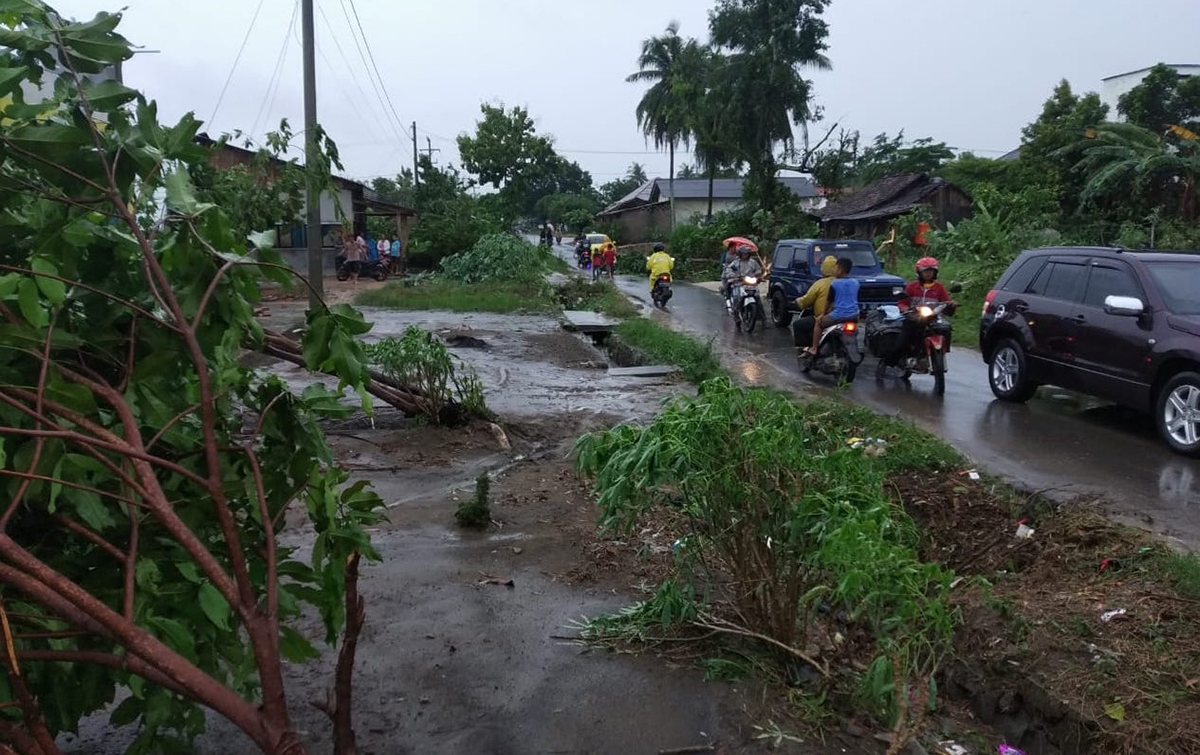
x=926, y=288
x=815, y=298
x=844, y=290
x=659, y=263
x=744, y=265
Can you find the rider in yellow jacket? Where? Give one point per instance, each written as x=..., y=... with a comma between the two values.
x=817, y=295
x=659, y=263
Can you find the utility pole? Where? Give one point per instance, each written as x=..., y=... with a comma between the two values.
x=429, y=148
x=416, y=163
x=312, y=156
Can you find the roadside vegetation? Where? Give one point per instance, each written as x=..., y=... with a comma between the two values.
x=851, y=559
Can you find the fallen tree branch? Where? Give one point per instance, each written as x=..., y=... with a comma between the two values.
x=725, y=627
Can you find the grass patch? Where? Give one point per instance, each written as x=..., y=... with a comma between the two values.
x=505, y=297
x=476, y=511
x=697, y=360
x=1183, y=571
x=599, y=296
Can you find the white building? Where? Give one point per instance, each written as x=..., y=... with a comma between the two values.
x=1113, y=87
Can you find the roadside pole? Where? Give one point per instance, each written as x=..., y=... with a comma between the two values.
x=316, y=266
x=416, y=163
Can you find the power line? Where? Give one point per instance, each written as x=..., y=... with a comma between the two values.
x=236, y=60
x=374, y=85
x=276, y=75
x=349, y=70
x=371, y=54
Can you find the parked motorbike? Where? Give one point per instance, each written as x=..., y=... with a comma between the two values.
x=376, y=269
x=837, y=354
x=915, y=341
x=661, y=293
x=748, y=307
x=583, y=256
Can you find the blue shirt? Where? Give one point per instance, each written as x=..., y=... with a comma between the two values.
x=396, y=248
x=372, y=250
x=845, y=297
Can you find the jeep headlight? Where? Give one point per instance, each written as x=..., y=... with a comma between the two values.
x=897, y=290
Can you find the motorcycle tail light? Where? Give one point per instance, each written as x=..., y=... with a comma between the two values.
x=987, y=301
x=850, y=327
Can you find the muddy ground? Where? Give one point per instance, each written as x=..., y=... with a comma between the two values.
x=450, y=663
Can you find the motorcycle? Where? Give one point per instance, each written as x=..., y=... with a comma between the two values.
x=583, y=256
x=915, y=341
x=748, y=309
x=661, y=293
x=376, y=269
x=837, y=351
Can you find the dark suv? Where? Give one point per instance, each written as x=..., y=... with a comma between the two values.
x=1121, y=325
x=796, y=265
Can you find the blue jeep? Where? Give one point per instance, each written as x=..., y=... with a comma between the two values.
x=796, y=265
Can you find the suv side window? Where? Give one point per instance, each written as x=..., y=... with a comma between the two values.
x=783, y=258
x=1059, y=280
x=1024, y=275
x=1108, y=281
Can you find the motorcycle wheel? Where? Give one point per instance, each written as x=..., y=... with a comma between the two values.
x=880, y=370
x=937, y=365
x=381, y=274
x=343, y=274
x=755, y=316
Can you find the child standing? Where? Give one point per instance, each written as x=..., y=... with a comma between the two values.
x=610, y=260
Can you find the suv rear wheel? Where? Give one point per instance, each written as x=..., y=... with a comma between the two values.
x=1008, y=373
x=780, y=316
x=1178, y=414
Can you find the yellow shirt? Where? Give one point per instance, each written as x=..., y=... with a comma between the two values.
x=659, y=263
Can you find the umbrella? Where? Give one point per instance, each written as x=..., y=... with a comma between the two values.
x=741, y=241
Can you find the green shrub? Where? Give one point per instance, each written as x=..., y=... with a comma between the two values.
x=476, y=511
x=696, y=359
x=498, y=257
x=780, y=514
x=447, y=390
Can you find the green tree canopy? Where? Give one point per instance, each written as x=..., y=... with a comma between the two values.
x=1048, y=143
x=1164, y=98
x=767, y=43
x=507, y=153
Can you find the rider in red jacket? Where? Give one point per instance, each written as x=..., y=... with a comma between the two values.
x=926, y=287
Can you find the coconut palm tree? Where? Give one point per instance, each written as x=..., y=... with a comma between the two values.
x=1126, y=159
x=674, y=68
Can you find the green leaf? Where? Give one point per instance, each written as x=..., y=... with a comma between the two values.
x=262, y=240
x=181, y=195
x=54, y=290
x=127, y=712
x=91, y=509
x=31, y=305
x=188, y=571
x=8, y=284
x=175, y=635
x=107, y=94
x=148, y=574
x=11, y=78
x=1115, y=711
x=214, y=605
x=294, y=647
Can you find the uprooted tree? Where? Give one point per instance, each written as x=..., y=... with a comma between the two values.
x=147, y=475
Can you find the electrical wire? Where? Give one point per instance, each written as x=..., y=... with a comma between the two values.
x=350, y=69
x=273, y=83
x=237, y=59
x=371, y=54
x=377, y=86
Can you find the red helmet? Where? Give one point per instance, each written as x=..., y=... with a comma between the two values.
x=927, y=263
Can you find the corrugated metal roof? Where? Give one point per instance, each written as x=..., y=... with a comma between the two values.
x=659, y=189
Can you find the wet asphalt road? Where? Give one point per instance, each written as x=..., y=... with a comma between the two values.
x=1060, y=443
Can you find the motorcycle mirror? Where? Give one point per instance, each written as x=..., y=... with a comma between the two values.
x=955, y=287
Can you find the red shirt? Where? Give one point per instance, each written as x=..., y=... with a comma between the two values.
x=610, y=256
x=936, y=292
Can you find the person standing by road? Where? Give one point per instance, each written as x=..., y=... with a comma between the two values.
x=398, y=266
x=356, y=252
x=597, y=262
x=610, y=260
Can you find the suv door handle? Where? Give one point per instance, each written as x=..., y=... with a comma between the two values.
x=1078, y=318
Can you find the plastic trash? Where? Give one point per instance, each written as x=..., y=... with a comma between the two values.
x=1004, y=749
x=1108, y=616
x=1024, y=531
x=951, y=748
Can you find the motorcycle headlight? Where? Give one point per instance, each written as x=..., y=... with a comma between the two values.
x=897, y=290
x=750, y=281
x=925, y=311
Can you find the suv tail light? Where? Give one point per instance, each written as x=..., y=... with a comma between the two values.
x=987, y=301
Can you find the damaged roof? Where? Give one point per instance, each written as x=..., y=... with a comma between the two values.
x=885, y=197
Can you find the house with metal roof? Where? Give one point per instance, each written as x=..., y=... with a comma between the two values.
x=645, y=213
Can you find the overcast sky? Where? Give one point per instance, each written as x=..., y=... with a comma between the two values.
x=967, y=72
